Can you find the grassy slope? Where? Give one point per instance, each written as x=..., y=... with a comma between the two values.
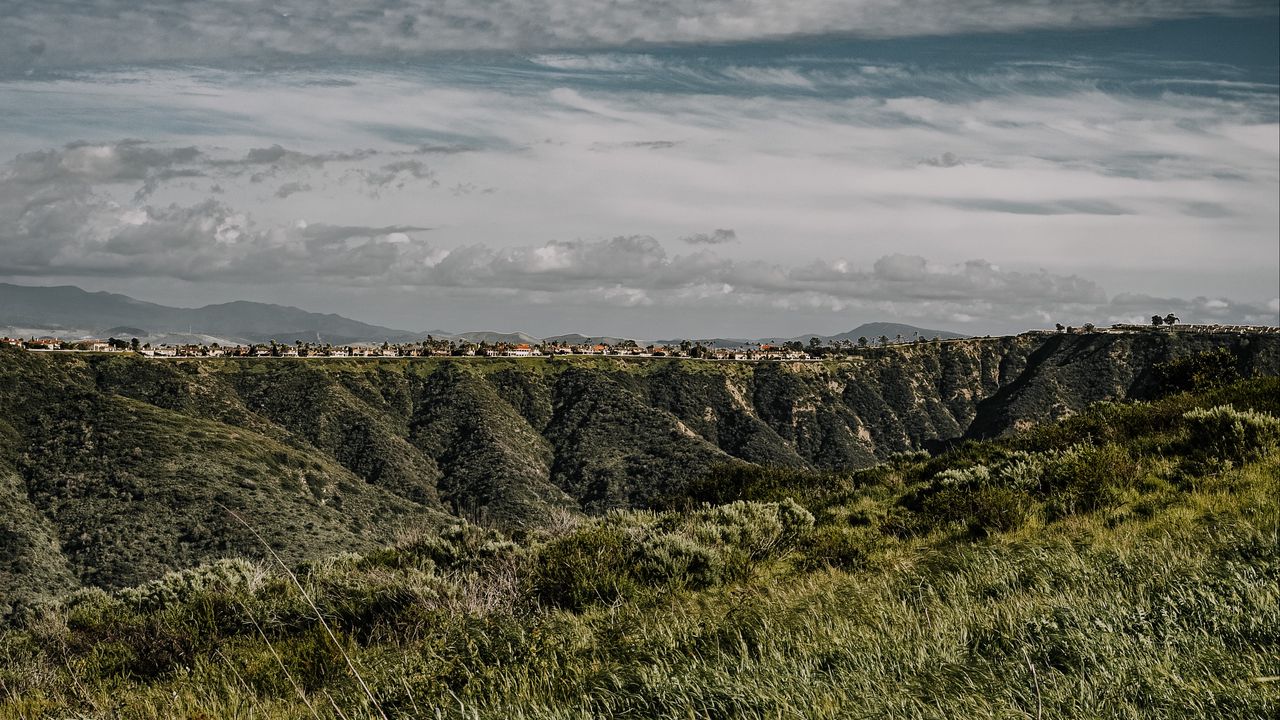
x=103, y=482
x=114, y=467
x=1133, y=571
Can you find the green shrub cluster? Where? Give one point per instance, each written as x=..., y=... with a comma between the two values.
x=1007, y=578
x=635, y=557
x=220, y=576
x=1200, y=371
x=1228, y=436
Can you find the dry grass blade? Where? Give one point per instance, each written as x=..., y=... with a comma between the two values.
x=314, y=608
x=280, y=662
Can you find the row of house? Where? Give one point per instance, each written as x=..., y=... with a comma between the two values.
x=422, y=349
x=441, y=348
x=53, y=343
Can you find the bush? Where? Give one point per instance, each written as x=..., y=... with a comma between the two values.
x=1202, y=371
x=457, y=547
x=902, y=523
x=636, y=556
x=976, y=500
x=179, y=587
x=1087, y=478
x=591, y=565
x=832, y=546
x=671, y=560
x=997, y=509
x=1229, y=436
x=757, y=530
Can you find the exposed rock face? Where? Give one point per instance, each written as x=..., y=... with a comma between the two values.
x=114, y=468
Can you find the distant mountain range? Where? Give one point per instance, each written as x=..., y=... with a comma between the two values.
x=874, y=330
x=68, y=311
x=871, y=331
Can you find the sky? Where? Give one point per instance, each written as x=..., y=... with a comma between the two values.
x=732, y=168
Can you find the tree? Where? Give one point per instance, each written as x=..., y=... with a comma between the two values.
x=884, y=340
x=862, y=341
x=1157, y=321
x=1060, y=327
x=815, y=342
x=1088, y=327
x=135, y=345
x=1170, y=319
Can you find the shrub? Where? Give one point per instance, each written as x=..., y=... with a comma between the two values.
x=589, y=566
x=1202, y=371
x=92, y=606
x=973, y=497
x=1087, y=478
x=180, y=587
x=457, y=547
x=1024, y=471
x=902, y=523
x=672, y=560
x=832, y=546
x=1231, y=436
x=638, y=556
x=759, y=530
x=997, y=509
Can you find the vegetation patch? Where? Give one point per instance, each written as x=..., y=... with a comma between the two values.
x=1124, y=562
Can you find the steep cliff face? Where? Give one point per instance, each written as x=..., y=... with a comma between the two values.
x=1065, y=373
x=114, y=468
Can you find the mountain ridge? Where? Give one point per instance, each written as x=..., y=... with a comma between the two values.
x=62, y=309
x=68, y=307
x=123, y=462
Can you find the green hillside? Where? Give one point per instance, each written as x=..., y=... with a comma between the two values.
x=1123, y=562
x=117, y=469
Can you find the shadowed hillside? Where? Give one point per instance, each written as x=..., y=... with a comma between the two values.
x=117, y=468
x=1123, y=562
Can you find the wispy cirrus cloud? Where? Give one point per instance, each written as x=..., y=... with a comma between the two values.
x=854, y=185
x=719, y=236
x=42, y=32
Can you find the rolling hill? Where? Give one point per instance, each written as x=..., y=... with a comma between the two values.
x=68, y=310
x=117, y=468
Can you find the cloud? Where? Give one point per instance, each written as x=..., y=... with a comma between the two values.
x=636, y=144
x=398, y=174
x=122, y=161
x=1138, y=308
x=1084, y=206
x=144, y=30
x=74, y=235
x=61, y=228
x=718, y=236
x=291, y=188
x=326, y=236
x=945, y=160
x=834, y=211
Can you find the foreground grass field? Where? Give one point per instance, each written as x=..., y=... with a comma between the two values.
x=1122, y=563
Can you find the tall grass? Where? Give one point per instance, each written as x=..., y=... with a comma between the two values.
x=1118, y=588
